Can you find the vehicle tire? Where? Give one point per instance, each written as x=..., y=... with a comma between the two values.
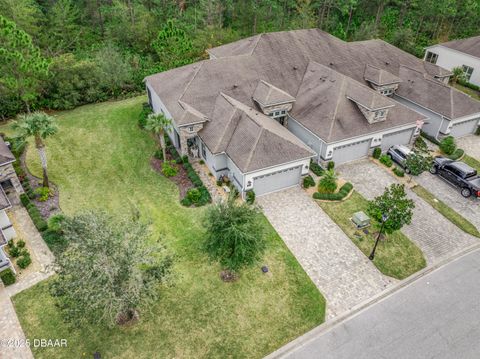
x=433, y=170
x=466, y=192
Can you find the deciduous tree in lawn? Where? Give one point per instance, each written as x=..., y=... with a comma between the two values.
x=110, y=269
x=38, y=125
x=395, y=204
x=235, y=235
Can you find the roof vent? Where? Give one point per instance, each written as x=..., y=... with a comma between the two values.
x=331, y=63
x=235, y=86
x=295, y=67
x=387, y=63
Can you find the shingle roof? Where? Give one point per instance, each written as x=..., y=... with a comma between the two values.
x=267, y=94
x=251, y=139
x=6, y=155
x=4, y=201
x=469, y=46
x=379, y=77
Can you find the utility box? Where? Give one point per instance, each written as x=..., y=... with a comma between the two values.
x=361, y=220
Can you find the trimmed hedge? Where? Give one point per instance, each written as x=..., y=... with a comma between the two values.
x=34, y=213
x=456, y=154
x=341, y=194
x=468, y=84
x=7, y=277
x=399, y=172
x=330, y=165
x=308, y=182
x=386, y=160
x=315, y=167
x=250, y=196
x=377, y=152
x=430, y=138
x=447, y=145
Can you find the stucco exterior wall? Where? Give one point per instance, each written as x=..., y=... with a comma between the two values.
x=311, y=140
x=449, y=59
x=158, y=107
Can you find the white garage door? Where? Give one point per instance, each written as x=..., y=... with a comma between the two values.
x=350, y=152
x=464, y=128
x=396, y=138
x=275, y=181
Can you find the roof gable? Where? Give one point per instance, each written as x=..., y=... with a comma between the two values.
x=267, y=95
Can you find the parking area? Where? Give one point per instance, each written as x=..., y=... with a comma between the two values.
x=471, y=145
x=436, y=236
x=467, y=207
x=342, y=273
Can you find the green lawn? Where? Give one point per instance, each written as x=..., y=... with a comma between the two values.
x=100, y=159
x=396, y=257
x=454, y=217
x=472, y=162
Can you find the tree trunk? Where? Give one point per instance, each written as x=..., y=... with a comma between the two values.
x=43, y=159
x=162, y=145
x=350, y=13
x=379, y=13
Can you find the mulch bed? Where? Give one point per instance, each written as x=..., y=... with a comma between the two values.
x=181, y=179
x=50, y=206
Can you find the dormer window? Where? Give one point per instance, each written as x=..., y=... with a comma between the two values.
x=190, y=128
x=380, y=114
x=387, y=91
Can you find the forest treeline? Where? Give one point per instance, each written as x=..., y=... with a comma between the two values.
x=58, y=54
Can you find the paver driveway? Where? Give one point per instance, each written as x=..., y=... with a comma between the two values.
x=471, y=145
x=436, y=236
x=341, y=272
x=467, y=207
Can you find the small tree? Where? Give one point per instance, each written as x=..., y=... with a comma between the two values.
x=416, y=163
x=447, y=145
x=158, y=124
x=395, y=204
x=421, y=145
x=235, y=235
x=110, y=268
x=38, y=125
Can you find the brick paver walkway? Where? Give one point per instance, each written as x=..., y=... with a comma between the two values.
x=436, y=236
x=471, y=145
x=341, y=272
x=42, y=257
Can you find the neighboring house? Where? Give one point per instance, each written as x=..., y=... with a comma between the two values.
x=340, y=99
x=7, y=231
x=464, y=53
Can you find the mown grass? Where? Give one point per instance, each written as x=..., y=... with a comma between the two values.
x=100, y=159
x=450, y=214
x=397, y=256
x=472, y=162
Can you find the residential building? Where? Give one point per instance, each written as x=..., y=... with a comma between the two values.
x=261, y=107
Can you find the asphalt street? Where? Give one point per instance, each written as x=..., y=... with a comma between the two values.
x=437, y=316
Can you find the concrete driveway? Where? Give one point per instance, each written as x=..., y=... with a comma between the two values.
x=342, y=273
x=471, y=145
x=436, y=236
x=467, y=207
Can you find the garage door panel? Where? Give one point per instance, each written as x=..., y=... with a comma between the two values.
x=351, y=152
x=396, y=138
x=276, y=181
x=464, y=128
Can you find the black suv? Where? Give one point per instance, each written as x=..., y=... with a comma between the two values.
x=458, y=174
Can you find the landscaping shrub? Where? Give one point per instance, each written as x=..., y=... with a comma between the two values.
x=43, y=193
x=14, y=251
x=308, y=182
x=421, y=144
x=7, y=277
x=465, y=83
x=456, y=154
x=386, y=160
x=341, y=194
x=315, y=167
x=202, y=162
x=219, y=183
x=185, y=159
x=158, y=154
x=250, y=196
x=399, y=172
x=328, y=183
x=55, y=222
x=55, y=240
x=169, y=169
x=193, y=195
x=142, y=120
x=447, y=145
x=21, y=243
x=24, y=261
x=377, y=152
x=17, y=146
x=330, y=165
x=24, y=199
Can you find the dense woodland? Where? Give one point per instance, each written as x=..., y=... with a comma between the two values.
x=58, y=54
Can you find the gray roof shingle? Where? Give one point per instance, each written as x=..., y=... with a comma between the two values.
x=469, y=46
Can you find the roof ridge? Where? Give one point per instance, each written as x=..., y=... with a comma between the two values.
x=191, y=80
x=451, y=103
x=250, y=155
x=256, y=43
x=334, y=117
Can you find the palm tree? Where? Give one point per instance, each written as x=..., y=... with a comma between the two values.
x=457, y=75
x=38, y=125
x=158, y=124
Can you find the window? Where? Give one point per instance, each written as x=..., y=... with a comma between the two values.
x=387, y=92
x=431, y=57
x=379, y=114
x=467, y=70
x=190, y=129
